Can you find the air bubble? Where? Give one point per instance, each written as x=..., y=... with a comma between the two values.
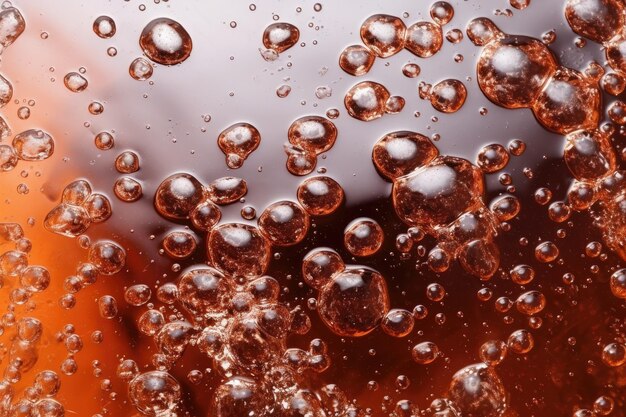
x=320, y=196
x=75, y=82
x=140, y=69
x=238, y=142
x=366, y=101
x=239, y=250
x=284, y=223
x=280, y=36
x=33, y=145
x=356, y=60
x=165, y=41
x=383, y=34
x=104, y=27
x=363, y=237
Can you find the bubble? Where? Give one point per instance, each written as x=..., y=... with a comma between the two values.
x=411, y=70
x=107, y=305
x=104, y=27
x=127, y=370
x=6, y=93
x=283, y=91
x=363, y=237
x=559, y=212
x=425, y=353
x=424, y=39
x=239, y=396
x=366, y=101
x=314, y=134
x=399, y=153
x=519, y=4
x=398, y=322
x=477, y=391
x=300, y=162
x=280, y=36
x=568, y=102
x=521, y=342
x=441, y=12
x=512, y=71
x=354, y=302
x=239, y=250
x=438, y=192
x=589, y=155
x=137, y=295
x=127, y=189
x=603, y=405
x=448, y=96
x=107, y=256
x=618, y=283
x=598, y=20
x=284, y=223
x=8, y=158
x=12, y=25
x=48, y=382
x=205, y=215
x=47, y=407
x=492, y=158
x=546, y=252
x=480, y=258
x=383, y=34
x=127, y=162
x=179, y=244
x=613, y=83
x=506, y=207
x=140, y=69
x=614, y=354
x=493, y=352
x=530, y=303
x=238, y=142
x=150, y=322
x=165, y=41
x=177, y=195
x=320, y=265
x=33, y=145
x=67, y=220
x=320, y=196
x=75, y=82
x=98, y=207
x=227, y=190
x=356, y=60
x=394, y=105
x=154, y=393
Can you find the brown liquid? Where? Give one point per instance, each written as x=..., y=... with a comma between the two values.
x=226, y=77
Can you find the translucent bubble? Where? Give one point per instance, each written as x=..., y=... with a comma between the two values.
x=12, y=25
x=127, y=370
x=320, y=195
x=506, y=207
x=438, y=193
x=104, y=141
x=546, y=252
x=411, y=70
x=425, y=353
x=283, y=91
x=363, y=237
x=399, y=153
x=107, y=305
x=280, y=36
x=137, y=295
x=568, y=102
x=319, y=266
x=617, y=112
x=521, y=341
x=128, y=189
x=127, y=162
x=482, y=30
x=237, y=142
x=478, y=391
x=356, y=60
x=48, y=382
x=227, y=190
x=150, y=322
x=284, y=223
x=75, y=82
x=67, y=220
x=47, y=407
x=177, y=195
x=492, y=158
x=314, y=134
x=33, y=145
x=394, y=105
x=613, y=83
x=179, y=244
x=618, y=283
x=589, y=155
x=519, y=4
x=8, y=158
x=98, y=208
x=165, y=41
x=598, y=20
x=493, y=352
x=107, y=256
x=205, y=215
x=239, y=250
x=239, y=396
x=354, y=302
x=512, y=71
x=441, y=12
x=383, y=34
x=603, y=405
x=104, y=27
x=140, y=69
x=154, y=393
x=614, y=354
x=366, y=101
x=398, y=322
x=448, y=96
x=424, y=39
x=6, y=92
x=480, y=258
x=530, y=303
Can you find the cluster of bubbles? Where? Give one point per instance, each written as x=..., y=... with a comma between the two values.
x=443, y=196
x=308, y=137
x=384, y=36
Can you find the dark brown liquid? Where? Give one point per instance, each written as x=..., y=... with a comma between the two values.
x=226, y=77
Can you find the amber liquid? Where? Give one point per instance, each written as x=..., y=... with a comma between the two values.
x=163, y=121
